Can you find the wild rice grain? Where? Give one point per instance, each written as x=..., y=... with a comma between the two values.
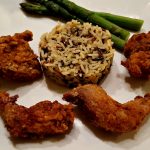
x=75, y=53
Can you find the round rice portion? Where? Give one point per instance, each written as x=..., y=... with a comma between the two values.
x=75, y=53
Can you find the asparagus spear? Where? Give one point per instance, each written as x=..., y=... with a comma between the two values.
x=92, y=17
x=125, y=22
x=118, y=43
x=42, y=10
x=48, y=8
x=122, y=21
x=34, y=8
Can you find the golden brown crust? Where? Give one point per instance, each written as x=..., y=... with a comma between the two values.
x=38, y=121
x=104, y=112
x=18, y=61
x=138, y=64
x=137, y=51
x=138, y=42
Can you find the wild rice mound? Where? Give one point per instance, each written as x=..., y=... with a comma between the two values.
x=75, y=53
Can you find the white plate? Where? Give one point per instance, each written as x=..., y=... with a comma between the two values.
x=117, y=83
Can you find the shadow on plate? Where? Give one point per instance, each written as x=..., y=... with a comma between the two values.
x=54, y=86
x=53, y=138
x=6, y=85
x=138, y=83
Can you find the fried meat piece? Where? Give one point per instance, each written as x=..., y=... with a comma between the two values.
x=18, y=61
x=38, y=121
x=137, y=52
x=138, y=64
x=106, y=113
x=138, y=42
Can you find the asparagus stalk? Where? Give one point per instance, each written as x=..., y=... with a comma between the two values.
x=92, y=17
x=122, y=21
x=42, y=10
x=118, y=43
x=48, y=8
x=125, y=22
x=34, y=8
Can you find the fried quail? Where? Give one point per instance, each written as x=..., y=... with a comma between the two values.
x=18, y=61
x=41, y=120
x=104, y=112
x=137, y=52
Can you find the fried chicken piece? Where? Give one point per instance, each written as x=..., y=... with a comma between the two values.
x=138, y=64
x=39, y=121
x=18, y=61
x=106, y=113
x=138, y=42
x=137, y=52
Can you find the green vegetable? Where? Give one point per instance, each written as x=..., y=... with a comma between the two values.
x=125, y=22
x=48, y=8
x=42, y=10
x=34, y=8
x=122, y=21
x=92, y=17
x=118, y=43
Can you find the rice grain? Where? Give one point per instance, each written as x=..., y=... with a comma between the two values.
x=75, y=53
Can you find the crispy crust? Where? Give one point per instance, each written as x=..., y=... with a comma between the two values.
x=18, y=61
x=138, y=64
x=104, y=112
x=137, y=52
x=41, y=120
x=138, y=42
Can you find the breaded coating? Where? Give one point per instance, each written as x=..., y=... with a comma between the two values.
x=137, y=52
x=38, y=121
x=104, y=112
x=138, y=42
x=138, y=64
x=18, y=61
